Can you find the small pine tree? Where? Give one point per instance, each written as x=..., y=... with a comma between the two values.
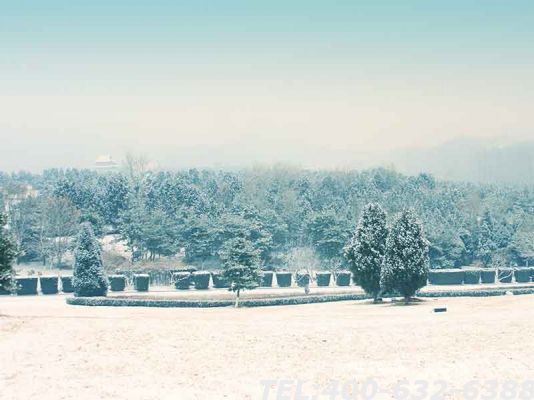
x=367, y=248
x=7, y=255
x=241, y=265
x=89, y=278
x=406, y=262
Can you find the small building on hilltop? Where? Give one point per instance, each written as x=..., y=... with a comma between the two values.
x=105, y=163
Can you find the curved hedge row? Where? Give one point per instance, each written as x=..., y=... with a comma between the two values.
x=201, y=303
x=277, y=301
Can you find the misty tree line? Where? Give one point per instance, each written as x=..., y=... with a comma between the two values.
x=286, y=213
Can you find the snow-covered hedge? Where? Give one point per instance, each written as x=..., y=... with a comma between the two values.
x=266, y=279
x=472, y=276
x=66, y=284
x=218, y=280
x=182, y=280
x=476, y=293
x=302, y=278
x=141, y=282
x=446, y=277
x=343, y=278
x=323, y=278
x=201, y=279
x=26, y=286
x=202, y=303
x=49, y=284
x=487, y=276
x=505, y=275
x=522, y=275
x=283, y=279
x=117, y=283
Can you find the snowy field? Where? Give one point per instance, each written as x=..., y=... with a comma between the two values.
x=53, y=351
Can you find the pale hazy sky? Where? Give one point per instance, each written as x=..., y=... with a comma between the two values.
x=229, y=82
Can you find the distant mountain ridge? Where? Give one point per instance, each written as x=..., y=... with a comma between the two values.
x=474, y=160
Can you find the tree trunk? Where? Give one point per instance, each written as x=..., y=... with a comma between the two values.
x=406, y=299
x=237, y=298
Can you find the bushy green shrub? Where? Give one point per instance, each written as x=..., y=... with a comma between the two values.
x=201, y=279
x=522, y=275
x=283, y=279
x=487, y=276
x=117, y=283
x=141, y=282
x=471, y=276
x=26, y=286
x=266, y=279
x=323, y=278
x=446, y=277
x=302, y=278
x=219, y=281
x=182, y=280
x=505, y=275
x=343, y=278
x=66, y=284
x=49, y=284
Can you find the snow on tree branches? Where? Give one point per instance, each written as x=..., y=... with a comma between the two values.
x=406, y=261
x=7, y=255
x=367, y=248
x=241, y=265
x=89, y=278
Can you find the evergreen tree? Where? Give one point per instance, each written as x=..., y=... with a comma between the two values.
x=366, y=250
x=487, y=239
x=328, y=234
x=89, y=277
x=241, y=265
x=7, y=255
x=406, y=260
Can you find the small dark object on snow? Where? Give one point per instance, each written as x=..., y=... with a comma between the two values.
x=440, y=309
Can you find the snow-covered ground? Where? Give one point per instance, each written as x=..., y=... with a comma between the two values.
x=49, y=350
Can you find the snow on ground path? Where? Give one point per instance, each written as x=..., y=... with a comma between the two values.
x=50, y=350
